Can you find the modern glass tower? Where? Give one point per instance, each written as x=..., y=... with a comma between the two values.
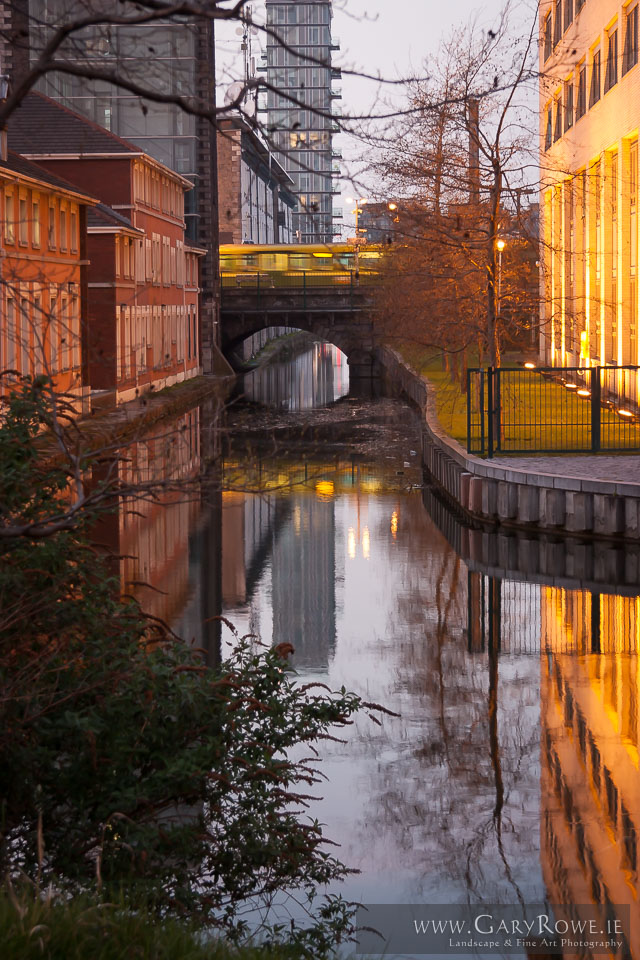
x=300, y=120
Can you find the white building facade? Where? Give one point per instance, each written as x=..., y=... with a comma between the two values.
x=589, y=119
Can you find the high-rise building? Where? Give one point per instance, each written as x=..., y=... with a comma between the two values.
x=589, y=163
x=300, y=115
x=170, y=57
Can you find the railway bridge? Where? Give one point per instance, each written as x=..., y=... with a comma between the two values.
x=335, y=308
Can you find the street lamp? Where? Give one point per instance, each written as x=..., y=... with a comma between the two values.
x=357, y=201
x=500, y=245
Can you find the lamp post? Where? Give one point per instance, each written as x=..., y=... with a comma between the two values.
x=500, y=245
x=357, y=211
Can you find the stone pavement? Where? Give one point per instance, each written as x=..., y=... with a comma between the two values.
x=620, y=469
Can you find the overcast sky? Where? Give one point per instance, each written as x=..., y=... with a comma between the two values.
x=390, y=38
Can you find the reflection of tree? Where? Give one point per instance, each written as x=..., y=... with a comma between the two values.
x=457, y=794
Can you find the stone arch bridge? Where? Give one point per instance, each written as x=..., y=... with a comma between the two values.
x=341, y=316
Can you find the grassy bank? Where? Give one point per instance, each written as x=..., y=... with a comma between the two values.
x=538, y=414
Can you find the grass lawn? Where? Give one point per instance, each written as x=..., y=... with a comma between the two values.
x=538, y=415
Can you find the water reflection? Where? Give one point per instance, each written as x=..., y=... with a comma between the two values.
x=317, y=376
x=512, y=773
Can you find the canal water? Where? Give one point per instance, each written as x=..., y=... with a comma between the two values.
x=511, y=771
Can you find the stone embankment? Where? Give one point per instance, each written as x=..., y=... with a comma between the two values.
x=563, y=495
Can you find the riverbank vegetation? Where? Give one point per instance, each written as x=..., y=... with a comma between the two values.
x=131, y=770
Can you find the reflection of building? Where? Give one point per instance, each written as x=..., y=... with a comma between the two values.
x=590, y=776
x=154, y=531
x=316, y=377
x=256, y=202
x=303, y=581
x=299, y=113
x=589, y=157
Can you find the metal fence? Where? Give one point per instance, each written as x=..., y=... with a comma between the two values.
x=552, y=410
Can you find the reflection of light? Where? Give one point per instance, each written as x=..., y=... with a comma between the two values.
x=324, y=488
x=394, y=523
x=370, y=486
x=296, y=520
x=365, y=543
x=351, y=543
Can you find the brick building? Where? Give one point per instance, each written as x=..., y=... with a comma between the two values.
x=589, y=97
x=43, y=270
x=256, y=200
x=143, y=327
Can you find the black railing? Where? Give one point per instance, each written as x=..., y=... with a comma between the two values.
x=264, y=283
x=552, y=410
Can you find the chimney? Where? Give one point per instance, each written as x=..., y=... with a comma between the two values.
x=474, y=151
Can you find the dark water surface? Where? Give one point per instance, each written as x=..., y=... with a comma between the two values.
x=512, y=771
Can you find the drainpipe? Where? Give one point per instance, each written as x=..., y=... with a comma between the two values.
x=4, y=90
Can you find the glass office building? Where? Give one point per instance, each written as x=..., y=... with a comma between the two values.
x=166, y=56
x=300, y=115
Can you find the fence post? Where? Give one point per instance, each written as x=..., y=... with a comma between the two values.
x=469, y=400
x=481, y=389
x=596, y=409
x=490, y=412
x=304, y=289
x=258, y=290
x=497, y=432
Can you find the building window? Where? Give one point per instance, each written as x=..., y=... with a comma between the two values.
x=23, y=221
x=9, y=218
x=73, y=227
x=630, y=56
x=63, y=228
x=11, y=333
x=35, y=222
x=548, y=39
x=568, y=104
x=581, y=106
x=52, y=225
x=568, y=13
x=611, y=73
x=557, y=130
x=557, y=33
x=594, y=91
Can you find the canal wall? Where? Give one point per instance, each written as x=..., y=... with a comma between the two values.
x=497, y=494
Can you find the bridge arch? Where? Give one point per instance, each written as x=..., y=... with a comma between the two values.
x=342, y=318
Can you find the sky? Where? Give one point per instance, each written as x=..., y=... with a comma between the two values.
x=390, y=38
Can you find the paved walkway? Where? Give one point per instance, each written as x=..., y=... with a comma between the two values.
x=621, y=469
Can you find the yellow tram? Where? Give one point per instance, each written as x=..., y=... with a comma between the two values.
x=286, y=264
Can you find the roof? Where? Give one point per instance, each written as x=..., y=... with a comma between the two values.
x=103, y=216
x=40, y=125
x=15, y=164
